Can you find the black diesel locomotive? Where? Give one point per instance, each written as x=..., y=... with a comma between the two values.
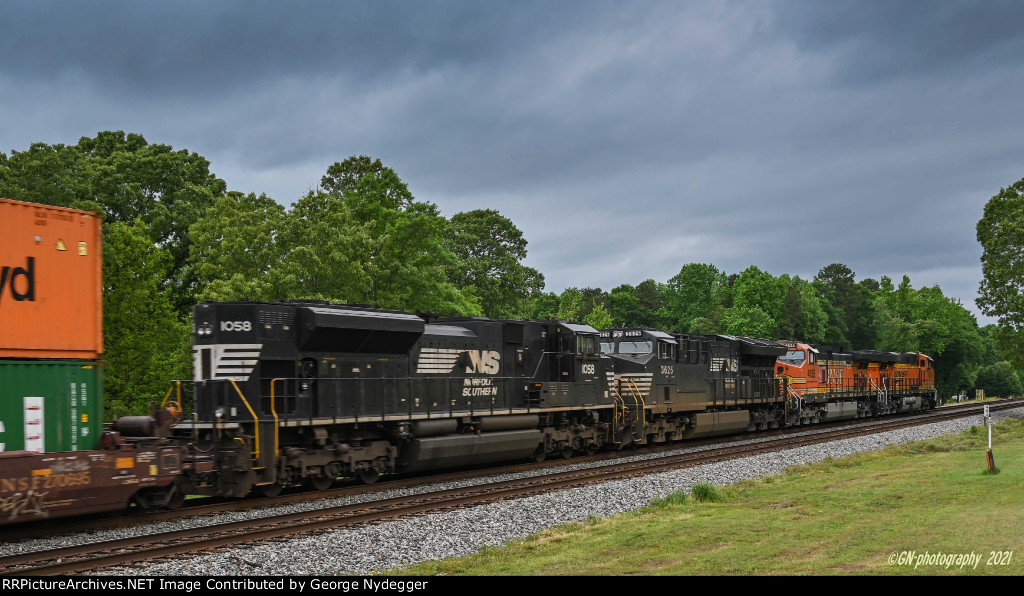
x=289, y=392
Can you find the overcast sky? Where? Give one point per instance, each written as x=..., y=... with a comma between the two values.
x=624, y=138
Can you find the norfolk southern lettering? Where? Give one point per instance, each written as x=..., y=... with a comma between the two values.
x=9, y=279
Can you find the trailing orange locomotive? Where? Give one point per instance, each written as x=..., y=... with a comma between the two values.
x=857, y=383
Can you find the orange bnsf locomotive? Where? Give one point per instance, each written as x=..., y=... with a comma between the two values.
x=831, y=384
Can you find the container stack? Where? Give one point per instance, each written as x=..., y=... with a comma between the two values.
x=51, y=328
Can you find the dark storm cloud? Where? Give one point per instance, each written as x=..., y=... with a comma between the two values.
x=625, y=139
x=906, y=38
x=196, y=47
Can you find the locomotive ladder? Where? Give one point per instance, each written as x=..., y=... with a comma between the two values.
x=883, y=396
x=619, y=412
x=638, y=400
x=797, y=400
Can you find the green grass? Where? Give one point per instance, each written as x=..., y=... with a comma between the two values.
x=678, y=497
x=706, y=493
x=839, y=516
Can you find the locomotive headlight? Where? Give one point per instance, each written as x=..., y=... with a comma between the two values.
x=204, y=330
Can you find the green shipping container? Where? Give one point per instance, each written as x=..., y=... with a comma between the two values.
x=50, y=405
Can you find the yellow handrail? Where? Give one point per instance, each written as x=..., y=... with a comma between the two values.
x=637, y=397
x=170, y=390
x=256, y=420
x=273, y=410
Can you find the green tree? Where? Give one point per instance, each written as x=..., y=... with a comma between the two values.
x=852, y=314
x=625, y=307
x=956, y=367
x=757, y=293
x=592, y=298
x=651, y=297
x=145, y=344
x=810, y=321
x=325, y=251
x=368, y=185
x=236, y=249
x=545, y=306
x=405, y=263
x=599, y=318
x=695, y=292
x=748, y=321
x=570, y=305
x=1001, y=295
x=491, y=250
x=998, y=380
x=147, y=193
x=705, y=326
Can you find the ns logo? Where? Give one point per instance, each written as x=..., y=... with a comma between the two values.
x=483, y=361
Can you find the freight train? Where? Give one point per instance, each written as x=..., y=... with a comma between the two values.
x=307, y=392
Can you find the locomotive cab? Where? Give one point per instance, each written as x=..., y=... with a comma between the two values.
x=572, y=372
x=644, y=362
x=800, y=366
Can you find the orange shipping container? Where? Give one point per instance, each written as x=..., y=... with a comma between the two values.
x=51, y=284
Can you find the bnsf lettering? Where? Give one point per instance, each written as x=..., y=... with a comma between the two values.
x=483, y=362
x=235, y=326
x=9, y=279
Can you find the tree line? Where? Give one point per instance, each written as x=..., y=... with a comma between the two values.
x=175, y=235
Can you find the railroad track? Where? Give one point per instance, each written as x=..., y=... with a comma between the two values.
x=129, y=551
x=211, y=506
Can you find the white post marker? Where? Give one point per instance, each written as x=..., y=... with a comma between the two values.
x=988, y=421
x=988, y=455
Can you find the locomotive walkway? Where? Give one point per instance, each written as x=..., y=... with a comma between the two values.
x=99, y=555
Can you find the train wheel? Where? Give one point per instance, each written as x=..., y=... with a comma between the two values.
x=540, y=453
x=369, y=476
x=591, y=447
x=319, y=482
x=176, y=500
x=567, y=451
x=270, y=490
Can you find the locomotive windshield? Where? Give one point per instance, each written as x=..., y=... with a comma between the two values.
x=636, y=347
x=607, y=347
x=586, y=344
x=794, y=357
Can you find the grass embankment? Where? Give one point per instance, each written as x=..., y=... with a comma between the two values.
x=847, y=515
